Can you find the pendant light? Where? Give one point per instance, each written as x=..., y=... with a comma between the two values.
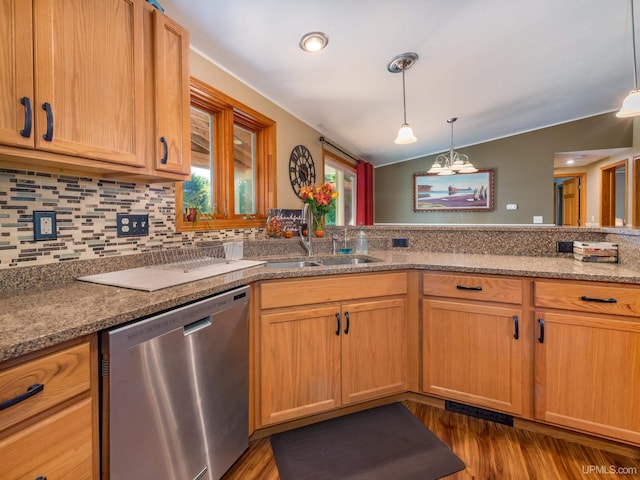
x=631, y=104
x=399, y=64
x=453, y=163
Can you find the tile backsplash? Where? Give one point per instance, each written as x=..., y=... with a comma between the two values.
x=86, y=211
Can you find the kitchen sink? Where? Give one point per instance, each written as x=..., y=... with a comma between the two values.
x=327, y=262
x=292, y=264
x=347, y=261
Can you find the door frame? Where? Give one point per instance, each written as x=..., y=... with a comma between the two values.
x=583, y=194
x=635, y=219
x=608, y=193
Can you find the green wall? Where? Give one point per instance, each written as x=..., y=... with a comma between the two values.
x=523, y=173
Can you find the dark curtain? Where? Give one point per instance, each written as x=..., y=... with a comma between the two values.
x=364, y=202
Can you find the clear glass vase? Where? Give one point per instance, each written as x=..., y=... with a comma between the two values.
x=318, y=225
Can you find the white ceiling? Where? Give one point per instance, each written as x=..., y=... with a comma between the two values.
x=501, y=66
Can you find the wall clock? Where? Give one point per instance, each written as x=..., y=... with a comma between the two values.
x=302, y=171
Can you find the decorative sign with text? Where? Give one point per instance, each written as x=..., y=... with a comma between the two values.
x=290, y=220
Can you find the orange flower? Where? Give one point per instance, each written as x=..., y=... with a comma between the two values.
x=319, y=197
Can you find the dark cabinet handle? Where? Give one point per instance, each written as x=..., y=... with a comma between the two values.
x=338, y=319
x=48, y=136
x=28, y=116
x=41, y=478
x=516, y=325
x=31, y=391
x=584, y=298
x=463, y=287
x=541, y=324
x=165, y=155
x=346, y=328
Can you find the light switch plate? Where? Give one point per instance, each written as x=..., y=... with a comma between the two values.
x=44, y=226
x=132, y=225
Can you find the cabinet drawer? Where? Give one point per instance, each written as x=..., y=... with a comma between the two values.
x=59, y=447
x=64, y=375
x=588, y=297
x=307, y=291
x=471, y=287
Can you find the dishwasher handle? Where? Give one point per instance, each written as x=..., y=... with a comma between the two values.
x=193, y=327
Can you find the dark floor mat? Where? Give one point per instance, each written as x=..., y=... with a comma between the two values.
x=382, y=443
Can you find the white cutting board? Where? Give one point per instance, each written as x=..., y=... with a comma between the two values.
x=159, y=277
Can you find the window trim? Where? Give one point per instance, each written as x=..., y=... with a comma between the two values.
x=347, y=165
x=228, y=112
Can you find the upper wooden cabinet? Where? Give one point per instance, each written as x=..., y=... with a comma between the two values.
x=74, y=88
x=167, y=94
x=16, y=73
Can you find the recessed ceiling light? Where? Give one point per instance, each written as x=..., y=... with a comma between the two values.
x=314, y=41
x=571, y=161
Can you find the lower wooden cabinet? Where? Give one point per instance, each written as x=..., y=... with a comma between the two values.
x=374, y=349
x=315, y=358
x=299, y=363
x=475, y=341
x=48, y=428
x=57, y=448
x=588, y=374
x=474, y=354
x=587, y=357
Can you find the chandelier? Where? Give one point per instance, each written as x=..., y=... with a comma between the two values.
x=453, y=162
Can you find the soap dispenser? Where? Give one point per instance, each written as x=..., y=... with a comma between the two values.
x=362, y=244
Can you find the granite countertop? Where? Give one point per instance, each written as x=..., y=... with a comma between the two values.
x=36, y=318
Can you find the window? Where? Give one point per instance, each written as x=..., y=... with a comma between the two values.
x=343, y=176
x=232, y=164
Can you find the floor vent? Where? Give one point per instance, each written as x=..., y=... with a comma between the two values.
x=496, y=417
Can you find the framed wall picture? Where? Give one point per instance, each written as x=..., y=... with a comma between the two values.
x=471, y=192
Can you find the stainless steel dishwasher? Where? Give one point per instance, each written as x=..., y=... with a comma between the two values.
x=175, y=399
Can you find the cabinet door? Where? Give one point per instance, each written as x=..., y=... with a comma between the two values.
x=299, y=363
x=587, y=372
x=90, y=76
x=374, y=349
x=59, y=447
x=172, y=140
x=16, y=73
x=470, y=354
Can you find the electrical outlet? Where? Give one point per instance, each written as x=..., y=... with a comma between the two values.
x=400, y=242
x=566, y=247
x=132, y=225
x=44, y=226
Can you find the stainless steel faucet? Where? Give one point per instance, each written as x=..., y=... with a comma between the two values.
x=334, y=243
x=306, y=218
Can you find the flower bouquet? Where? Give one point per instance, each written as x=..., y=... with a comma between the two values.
x=321, y=200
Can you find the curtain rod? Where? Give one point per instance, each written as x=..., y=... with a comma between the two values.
x=324, y=140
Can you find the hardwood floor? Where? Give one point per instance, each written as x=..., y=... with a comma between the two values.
x=491, y=452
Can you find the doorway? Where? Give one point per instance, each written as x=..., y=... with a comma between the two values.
x=570, y=199
x=613, y=195
x=636, y=192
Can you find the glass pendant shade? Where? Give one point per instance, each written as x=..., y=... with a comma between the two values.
x=405, y=135
x=630, y=105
